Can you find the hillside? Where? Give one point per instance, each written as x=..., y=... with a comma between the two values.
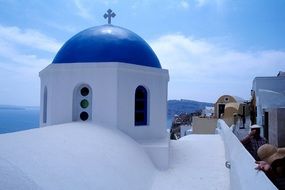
x=185, y=106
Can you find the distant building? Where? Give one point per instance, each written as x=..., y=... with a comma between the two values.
x=227, y=107
x=222, y=101
x=268, y=93
x=208, y=111
x=231, y=109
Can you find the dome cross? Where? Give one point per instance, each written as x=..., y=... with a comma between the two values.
x=109, y=15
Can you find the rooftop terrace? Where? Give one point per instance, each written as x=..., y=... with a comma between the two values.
x=84, y=156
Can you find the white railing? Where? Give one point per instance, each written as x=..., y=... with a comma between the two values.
x=241, y=164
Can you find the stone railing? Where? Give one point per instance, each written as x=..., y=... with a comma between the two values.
x=241, y=164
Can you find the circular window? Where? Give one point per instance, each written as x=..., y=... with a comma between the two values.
x=84, y=103
x=226, y=99
x=84, y=91
x=84, y=116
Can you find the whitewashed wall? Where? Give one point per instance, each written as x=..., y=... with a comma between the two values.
x=243, y=176
x=62, y=79
x=156, y=82
x=113, y=87
x=269, y=93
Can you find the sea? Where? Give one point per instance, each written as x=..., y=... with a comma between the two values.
x=14, y=119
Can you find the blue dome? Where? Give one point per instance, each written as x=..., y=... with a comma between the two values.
x=107, y=43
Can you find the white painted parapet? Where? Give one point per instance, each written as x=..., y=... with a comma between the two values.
x=243, y=176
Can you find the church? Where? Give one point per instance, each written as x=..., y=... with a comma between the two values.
x=109, y=76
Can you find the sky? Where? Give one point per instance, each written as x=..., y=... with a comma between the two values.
x=210, y=47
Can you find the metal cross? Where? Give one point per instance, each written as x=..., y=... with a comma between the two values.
x=109, y=15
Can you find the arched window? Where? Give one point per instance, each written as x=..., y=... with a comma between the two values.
x=45, y=105
x=141, y=106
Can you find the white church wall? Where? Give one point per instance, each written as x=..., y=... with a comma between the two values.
x=59, y=97
x=62, y=79
x=113, y=87
x=155, y=81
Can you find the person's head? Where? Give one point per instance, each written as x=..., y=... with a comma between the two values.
x=270, y=153
x=255, y=128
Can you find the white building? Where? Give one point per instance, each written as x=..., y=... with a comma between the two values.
x=111, y=77
x=268, y=92
x=208, y=111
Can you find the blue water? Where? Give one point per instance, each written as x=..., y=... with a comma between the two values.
x=12, y=120
x=169, y=123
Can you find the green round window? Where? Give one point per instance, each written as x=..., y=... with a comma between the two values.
x=84, y=103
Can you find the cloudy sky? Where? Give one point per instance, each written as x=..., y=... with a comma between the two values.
x=210, y=47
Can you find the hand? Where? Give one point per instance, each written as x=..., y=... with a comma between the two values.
x=262, y=165
x=252, y=133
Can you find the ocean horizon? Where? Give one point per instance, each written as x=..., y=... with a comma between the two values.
x=17, y=118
